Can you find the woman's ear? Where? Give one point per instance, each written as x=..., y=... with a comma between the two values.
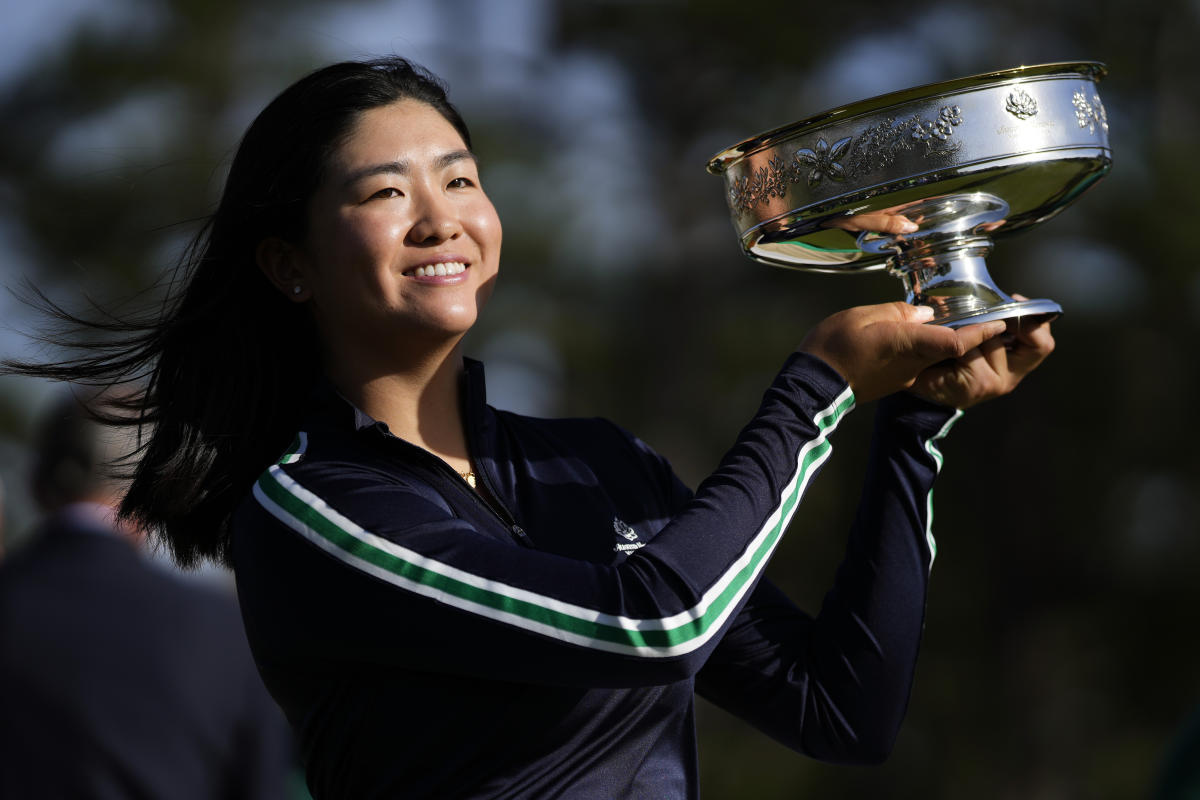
x=283, y=265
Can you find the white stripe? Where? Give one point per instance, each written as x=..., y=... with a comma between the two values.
x=449, y=599
x=292, y=458
x=797, y=483
x=932, y=448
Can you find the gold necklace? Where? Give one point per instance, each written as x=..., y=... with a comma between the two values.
x=469, y=477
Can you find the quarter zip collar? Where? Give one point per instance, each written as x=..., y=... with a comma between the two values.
x=331, y=412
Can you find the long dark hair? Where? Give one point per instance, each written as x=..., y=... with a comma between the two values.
x=226, y=365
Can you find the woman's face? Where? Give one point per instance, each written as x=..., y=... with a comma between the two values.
x=403, y=246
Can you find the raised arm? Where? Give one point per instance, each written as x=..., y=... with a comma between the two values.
x=837, y=687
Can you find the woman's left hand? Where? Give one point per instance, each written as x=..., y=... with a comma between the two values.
x=990, y=370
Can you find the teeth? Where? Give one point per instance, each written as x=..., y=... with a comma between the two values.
x=446, y=268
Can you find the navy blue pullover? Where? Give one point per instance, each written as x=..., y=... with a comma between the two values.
x=548, y=641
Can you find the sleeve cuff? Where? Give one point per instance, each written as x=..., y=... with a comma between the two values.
x=826, y=382
x=917, y=413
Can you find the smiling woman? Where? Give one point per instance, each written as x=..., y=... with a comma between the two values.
x=449, y=600
x=400, y=254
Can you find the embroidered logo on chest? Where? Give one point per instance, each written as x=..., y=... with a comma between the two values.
x=627, y=538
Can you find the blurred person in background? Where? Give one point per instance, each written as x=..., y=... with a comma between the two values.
x=119, y=679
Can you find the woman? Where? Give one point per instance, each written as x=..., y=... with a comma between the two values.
x=453, y=601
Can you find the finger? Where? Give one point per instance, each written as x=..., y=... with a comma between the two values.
x=877, y=222
x=915, y=313
x=990, y=374
x=994, y=373
x=1031, y=351
x=933, y=383
x=994, y=353
x=1025, y=323
x=982, y=373
x=1032, y=333
x=948, y=382
x=1033, y=330
x=932, y=343
x=971, y=336
x=893, y=223
x=895, y=311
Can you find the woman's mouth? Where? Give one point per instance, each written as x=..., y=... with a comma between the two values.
x=437, y=270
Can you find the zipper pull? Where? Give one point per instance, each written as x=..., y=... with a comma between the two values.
x=521, y=536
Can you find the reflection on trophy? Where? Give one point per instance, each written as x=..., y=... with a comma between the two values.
x=965, y=161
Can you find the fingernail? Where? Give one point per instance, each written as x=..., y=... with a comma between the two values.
x=909, y=227
x=923, y=313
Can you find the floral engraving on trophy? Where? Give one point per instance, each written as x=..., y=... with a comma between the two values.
x=1021, y=104
x=872, y=149
x=1090, y=114
x=879, y=146
x=823, y=160
x=766, y=182
x=942, y=127
x=780, y=175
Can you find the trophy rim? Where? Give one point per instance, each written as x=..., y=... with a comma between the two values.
x=719, y=163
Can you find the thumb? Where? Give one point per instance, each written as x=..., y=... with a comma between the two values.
x=914, y=313
x=971, y=336
x=894, y=311
x=895, y=223
x=931, y=343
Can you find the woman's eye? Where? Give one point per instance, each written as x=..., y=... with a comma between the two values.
x=391, y=191
x=461, y=183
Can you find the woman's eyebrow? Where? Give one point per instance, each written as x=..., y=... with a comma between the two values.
x=403, y=166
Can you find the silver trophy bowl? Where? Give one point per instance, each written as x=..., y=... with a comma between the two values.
x=968, y=161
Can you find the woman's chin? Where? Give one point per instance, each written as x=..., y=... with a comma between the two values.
x=435, y=332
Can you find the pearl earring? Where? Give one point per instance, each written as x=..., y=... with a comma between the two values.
x=296, y=290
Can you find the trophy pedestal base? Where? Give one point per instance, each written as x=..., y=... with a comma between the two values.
x=942, y=264
x=1014, y=309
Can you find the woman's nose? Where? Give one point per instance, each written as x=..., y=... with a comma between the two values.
x=436, y=219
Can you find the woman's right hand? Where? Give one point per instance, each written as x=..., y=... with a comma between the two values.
x=880, y=349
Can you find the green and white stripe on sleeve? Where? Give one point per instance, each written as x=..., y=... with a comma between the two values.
x=664, y=637
x=932, y=448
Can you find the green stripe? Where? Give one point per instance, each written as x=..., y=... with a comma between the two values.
x=292, y=454
x=421, y=575
x=523, y=608
x=681, y=634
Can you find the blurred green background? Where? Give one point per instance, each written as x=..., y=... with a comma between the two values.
x=1061, y=655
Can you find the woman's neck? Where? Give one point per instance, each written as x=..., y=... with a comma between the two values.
x=419, y=403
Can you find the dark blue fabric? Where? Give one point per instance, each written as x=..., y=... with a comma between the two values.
x=398, y=694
